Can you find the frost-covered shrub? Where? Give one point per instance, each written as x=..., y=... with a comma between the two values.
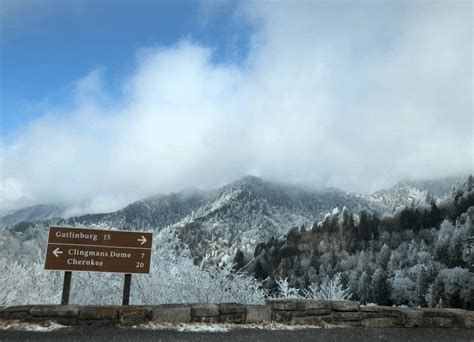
x=285, y=290
x=330, y=288
x=21, y=284
x=173, y=278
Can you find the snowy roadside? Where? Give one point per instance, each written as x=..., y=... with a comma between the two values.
x=45, y=326
x=221, y=327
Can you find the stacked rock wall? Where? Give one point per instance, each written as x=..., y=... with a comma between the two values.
x=286, y=311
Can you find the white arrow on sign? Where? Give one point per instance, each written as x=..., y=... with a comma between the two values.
x=142, y=240
x=57, y=252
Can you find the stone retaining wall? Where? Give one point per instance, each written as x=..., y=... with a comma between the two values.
x=287, y=311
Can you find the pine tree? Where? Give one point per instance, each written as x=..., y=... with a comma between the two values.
x=354, y=284
x=435, y=216
x=421, y=285
x=430, y=297
x=393, y=263
x=238, y=260
x=456, y=246
x=363, y=229
x=364, y=288
x=434, y=294
x=259, y=271
x=374, y=226
x=383, y=257
x=412, y=253
x=402, y=288
x=363, y=263
x=380, y=292
x=407, y=218
x=442, y=242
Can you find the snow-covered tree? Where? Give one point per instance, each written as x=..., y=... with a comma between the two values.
x=354, y=283
x=434, y=294
x=383, y=257
x=456, y=245
x=402, y=288
x=364, y=287
x=330, y=288
x=458, y=286
x=363, y=263
x=441, y=246
x=380, y=292
x=421, y=284
x=394, y=262
x=173, y=278
x=285, y=290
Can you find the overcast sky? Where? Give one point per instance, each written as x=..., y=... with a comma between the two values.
x=104, y=104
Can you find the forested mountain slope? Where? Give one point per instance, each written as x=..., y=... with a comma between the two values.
x=418, y=256
x=238, y=215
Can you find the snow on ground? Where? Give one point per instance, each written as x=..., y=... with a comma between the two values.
x=45, y=326
x=220, y=327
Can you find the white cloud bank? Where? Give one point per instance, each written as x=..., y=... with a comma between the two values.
x=351, y=96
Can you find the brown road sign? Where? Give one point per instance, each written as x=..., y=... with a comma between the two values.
x=97, y=250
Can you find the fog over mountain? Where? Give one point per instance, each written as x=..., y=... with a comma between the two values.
x=417, y=255
x=34, y=213
x=163, y=210
x=215, y=224
x=347, y=96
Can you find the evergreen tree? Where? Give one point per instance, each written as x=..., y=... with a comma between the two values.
x=374, y=226
x=293, y=236
x=421, y=286
x=442, y=242
x=437, y=293
x=455, y=247
x=364, y=229
x=239, y=260
x=383, y=257
x=457, y=286
x=259, y=271
x=345, y=219
x=403, y=287
x=434, y=217
x=380, y=292
x=412, y=253
x=363, y=263
x=393, y=263
x=407, y=218
x=364, y=288
x=353, y=284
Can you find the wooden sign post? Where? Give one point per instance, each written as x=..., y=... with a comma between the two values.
x=97, y=250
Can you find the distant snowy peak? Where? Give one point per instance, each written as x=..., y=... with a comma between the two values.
x=250, y=210
x=406, y=193
x=401, y=195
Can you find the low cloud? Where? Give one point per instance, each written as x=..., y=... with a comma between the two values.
x=355, y=97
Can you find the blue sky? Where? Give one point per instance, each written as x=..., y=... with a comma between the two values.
x=46, y=46
x=106, y=102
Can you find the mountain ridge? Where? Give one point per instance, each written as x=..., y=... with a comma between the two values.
x=295, y=205
x=215, y=224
